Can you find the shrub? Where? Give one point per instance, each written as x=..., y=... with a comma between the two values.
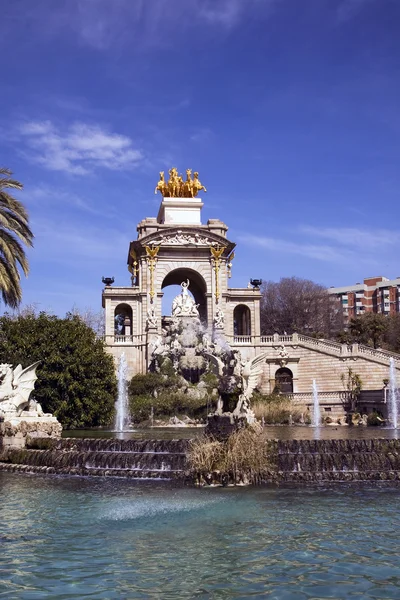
x=164, y=395
x=76, y=377
x=374, y=420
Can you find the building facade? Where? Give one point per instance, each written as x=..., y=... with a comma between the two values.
x=376, y=294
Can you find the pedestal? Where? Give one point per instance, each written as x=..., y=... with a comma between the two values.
x=15, y=431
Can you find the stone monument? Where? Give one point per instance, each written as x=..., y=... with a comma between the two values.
x=21, y=416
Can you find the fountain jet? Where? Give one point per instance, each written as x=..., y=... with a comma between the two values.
x=392, y=394
x=122, y=419
x=316, y=418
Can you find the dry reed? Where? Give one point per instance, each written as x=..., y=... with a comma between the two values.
x=279, y=411
x=244, y=457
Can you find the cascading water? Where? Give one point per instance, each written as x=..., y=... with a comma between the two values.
x=392, y=406
x=316, y=418
x=122, y=420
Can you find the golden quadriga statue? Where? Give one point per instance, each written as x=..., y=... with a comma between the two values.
x=176, y=187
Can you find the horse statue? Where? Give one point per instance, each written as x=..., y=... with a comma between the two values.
x=188, y=190
x=173, y=183
x=197, y=185
x=161, y=185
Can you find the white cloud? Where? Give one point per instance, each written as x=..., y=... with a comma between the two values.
x=202, y=135
x=364, y=239
x=78, y=149
x=69, y=243
x=46, y=196
x=101, y=24
x=347, y=245
x=314, y=251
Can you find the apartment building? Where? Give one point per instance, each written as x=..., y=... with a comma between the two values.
x=375, y=294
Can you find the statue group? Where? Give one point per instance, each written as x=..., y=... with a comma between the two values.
x=183, y=304
x=176, y=187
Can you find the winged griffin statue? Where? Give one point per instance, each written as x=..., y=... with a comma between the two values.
x=16, y=386
x=250, y=373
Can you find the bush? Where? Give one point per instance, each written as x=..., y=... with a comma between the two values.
x=164, y=395
x=76, y=377
x=374, y=420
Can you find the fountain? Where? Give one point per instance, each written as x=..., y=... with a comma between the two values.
x=392, y=408
x=316, y=418
x=186, y=347
x=122, y=419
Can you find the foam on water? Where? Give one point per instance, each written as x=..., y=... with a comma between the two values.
x=151, y=507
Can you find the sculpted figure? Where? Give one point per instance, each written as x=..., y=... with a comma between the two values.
x=184, y=305
x=15, y=387
x=161, y=185
x=250, y=374
x=172, y=185
x=197, y=185
x=219, y=318
x=151, y=319
x=176, y=187
x=188, y=186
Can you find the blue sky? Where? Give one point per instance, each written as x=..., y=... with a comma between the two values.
x=289, y=110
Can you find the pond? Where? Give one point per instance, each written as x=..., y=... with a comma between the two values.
x=280, y=432
x=66, y=537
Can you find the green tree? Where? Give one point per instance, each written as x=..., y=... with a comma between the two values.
x=76, y=377
x=368, y=329
x=392, y=334
x=14, y=229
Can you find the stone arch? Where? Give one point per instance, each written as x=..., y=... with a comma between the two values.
x=284, y=380
x=123, y=319
x=242, y=320
x=197, y=286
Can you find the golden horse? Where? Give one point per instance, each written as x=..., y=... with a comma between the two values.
x=173, y=183
x=188, y=190
x=197, y=185
x=161, y=185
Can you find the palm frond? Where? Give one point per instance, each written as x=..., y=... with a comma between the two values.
x=14, y=229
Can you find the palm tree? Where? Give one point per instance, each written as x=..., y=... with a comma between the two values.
x=14, y=229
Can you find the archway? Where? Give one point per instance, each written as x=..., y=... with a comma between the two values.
x=284, y=380
x=123, y=319
x=242, y=320
x=197, y=288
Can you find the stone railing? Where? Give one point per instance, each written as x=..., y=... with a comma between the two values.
x=329, y=346
x=323, y=397
x=243, y=339
x=136, y=340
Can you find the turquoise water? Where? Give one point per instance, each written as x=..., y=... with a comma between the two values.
x=66, y=537
x=279, y=432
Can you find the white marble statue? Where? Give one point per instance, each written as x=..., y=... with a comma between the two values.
x=250, y=374
x=183, y=305
x=219, y=319
x=151, y=319
x=16, y=386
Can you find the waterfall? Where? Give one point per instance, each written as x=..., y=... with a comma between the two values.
x=316, y=418
x=392, y=408
x=122, y=419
